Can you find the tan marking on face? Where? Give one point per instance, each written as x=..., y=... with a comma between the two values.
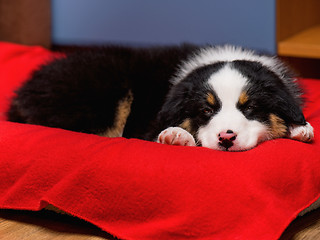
x=210, y=99
x=122, y=113
x=186, y=125
x=278, y=127
x=243, y=98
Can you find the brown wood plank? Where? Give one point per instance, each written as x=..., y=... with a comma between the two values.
x=303, y=44
x=46, y=225
x=26, y=22
x=306, y=227
x=293, y=16
x=298, y=35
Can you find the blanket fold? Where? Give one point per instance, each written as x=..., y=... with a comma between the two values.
x=135, y=189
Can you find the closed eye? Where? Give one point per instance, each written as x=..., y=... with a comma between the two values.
x=248, y=106
x=207, y=111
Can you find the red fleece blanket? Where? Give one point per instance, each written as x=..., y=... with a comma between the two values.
x=135, y=189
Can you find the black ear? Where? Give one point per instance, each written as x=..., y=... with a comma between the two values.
x=172, y=111
x=175, y=104
x=292, y=114
x=288, y=109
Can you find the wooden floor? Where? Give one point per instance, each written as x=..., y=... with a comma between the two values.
x=306, y=227
x=47, y=225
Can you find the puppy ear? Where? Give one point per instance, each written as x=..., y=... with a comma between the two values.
x=171, y=113
x=173, y=107
x=289, y=110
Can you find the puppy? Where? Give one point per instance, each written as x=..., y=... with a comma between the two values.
x=224, y=98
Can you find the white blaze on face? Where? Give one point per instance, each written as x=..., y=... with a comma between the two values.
x=228, y=85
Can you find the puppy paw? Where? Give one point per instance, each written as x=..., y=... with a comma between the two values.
x=176, y=136
x=301, y=133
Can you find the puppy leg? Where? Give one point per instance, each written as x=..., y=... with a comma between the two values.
x=301, y=133
x=176, y=136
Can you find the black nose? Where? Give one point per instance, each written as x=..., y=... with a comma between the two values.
x=226, y=139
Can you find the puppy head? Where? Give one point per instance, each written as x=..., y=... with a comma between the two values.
x=235, y=105
x=251, y=108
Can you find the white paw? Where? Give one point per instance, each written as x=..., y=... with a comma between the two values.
x=301, y=133
x=176, y=136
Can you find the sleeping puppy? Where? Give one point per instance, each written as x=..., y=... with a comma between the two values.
x=223, y=98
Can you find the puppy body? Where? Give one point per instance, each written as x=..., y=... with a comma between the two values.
x=87, y=90
x=223, y=98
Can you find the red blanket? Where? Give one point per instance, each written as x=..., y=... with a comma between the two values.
x=135, y=189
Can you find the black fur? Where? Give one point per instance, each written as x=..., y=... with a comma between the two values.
x=81, y=92
x=188, y=99
x=268, y=94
